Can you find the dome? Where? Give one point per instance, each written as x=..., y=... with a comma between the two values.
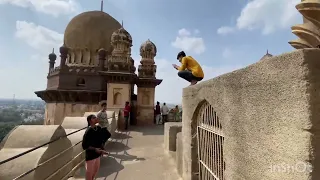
x=91, y=30
x=266, y=56
x=148, y=48
x=121, y=35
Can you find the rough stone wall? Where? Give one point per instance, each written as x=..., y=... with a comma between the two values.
x=145, y=106
x=269, y=113
x=56, y=112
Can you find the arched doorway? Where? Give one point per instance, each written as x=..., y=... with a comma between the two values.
x=208, y=138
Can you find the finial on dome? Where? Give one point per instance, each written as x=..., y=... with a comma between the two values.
x=122, y=23
x=267, y=51
x=52, y=56
x=101, y=5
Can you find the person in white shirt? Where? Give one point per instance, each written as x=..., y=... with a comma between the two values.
x=164, y=112
x=104, y=123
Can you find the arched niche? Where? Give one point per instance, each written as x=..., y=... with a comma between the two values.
x=117, y=98
x=81, y=82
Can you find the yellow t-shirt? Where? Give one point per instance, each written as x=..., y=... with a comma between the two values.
x=192, y=65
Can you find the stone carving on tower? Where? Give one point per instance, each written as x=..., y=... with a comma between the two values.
x=120, y=59
x=308, y=32
x=147, y=82
x=147, y=69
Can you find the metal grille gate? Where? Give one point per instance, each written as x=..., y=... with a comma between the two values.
x=210, y=144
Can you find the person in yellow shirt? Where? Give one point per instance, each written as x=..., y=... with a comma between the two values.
x=190, y=69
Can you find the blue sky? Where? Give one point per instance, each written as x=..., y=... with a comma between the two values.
x=221, y=35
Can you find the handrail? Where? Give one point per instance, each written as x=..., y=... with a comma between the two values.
x=45, y=162
x=37, y=147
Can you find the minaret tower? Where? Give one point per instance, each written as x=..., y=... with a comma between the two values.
x=146, y=83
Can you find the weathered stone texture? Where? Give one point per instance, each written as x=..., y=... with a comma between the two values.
x=171, y=129
x=269, y=115
x=179, y=152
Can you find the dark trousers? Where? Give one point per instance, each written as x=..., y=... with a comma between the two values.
x=105, y=134
x=187, y=75
x=126, y=121
x=164, y=118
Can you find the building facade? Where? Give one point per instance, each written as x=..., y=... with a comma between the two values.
x=96, y=66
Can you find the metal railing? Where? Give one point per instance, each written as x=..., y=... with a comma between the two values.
x=210, y=144
x=40, y=146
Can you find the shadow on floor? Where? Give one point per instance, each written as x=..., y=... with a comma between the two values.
x=121, y=135
x=149, y=130
x=126, y=157
x=108, y=166
x=115, y=146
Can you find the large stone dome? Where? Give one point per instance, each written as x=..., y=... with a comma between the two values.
x=91, y=30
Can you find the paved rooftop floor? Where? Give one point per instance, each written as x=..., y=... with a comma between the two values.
x=137, y=154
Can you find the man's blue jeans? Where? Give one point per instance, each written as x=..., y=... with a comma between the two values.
x=187, y=75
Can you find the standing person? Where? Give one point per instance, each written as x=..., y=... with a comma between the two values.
x=158, y=113
x=104, y=123
x=176, y=113
x=92, y=143
x=127, y=110
x=190, y=69
x=165, y=112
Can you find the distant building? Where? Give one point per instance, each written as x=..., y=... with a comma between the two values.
x=266, y=56
x=96, y=66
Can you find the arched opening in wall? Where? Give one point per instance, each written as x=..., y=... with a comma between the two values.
x=81, y=82
x=117, y=99
x=207, y=140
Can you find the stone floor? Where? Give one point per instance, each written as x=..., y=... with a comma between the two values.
x=136, y=155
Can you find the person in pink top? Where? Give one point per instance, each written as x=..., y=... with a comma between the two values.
x=127, y=110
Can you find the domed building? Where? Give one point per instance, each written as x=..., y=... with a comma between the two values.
x=96, y=66
x=266, y=56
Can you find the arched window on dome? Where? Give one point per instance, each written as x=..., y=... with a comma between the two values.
x=81, y=82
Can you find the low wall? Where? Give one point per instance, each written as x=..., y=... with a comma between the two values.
x=58, y=160
x=269, y=113
x=172, y=117
x=171, y=129
x=50, y=158
x=72, y=124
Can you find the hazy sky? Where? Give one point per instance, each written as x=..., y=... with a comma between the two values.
x=221, y=35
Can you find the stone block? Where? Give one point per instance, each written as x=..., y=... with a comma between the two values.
x=171, y=129
x=78, y=155
x=74, y=122
x=179, y=152
x=52, y=157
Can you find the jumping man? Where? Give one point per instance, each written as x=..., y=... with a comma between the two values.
x=190, y=69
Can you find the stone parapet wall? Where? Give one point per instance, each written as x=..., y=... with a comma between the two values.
x=50, y=158
x=269, y=114
x=172, y=117
x=57, y=160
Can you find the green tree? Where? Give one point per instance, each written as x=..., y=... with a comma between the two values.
x=5, y=128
